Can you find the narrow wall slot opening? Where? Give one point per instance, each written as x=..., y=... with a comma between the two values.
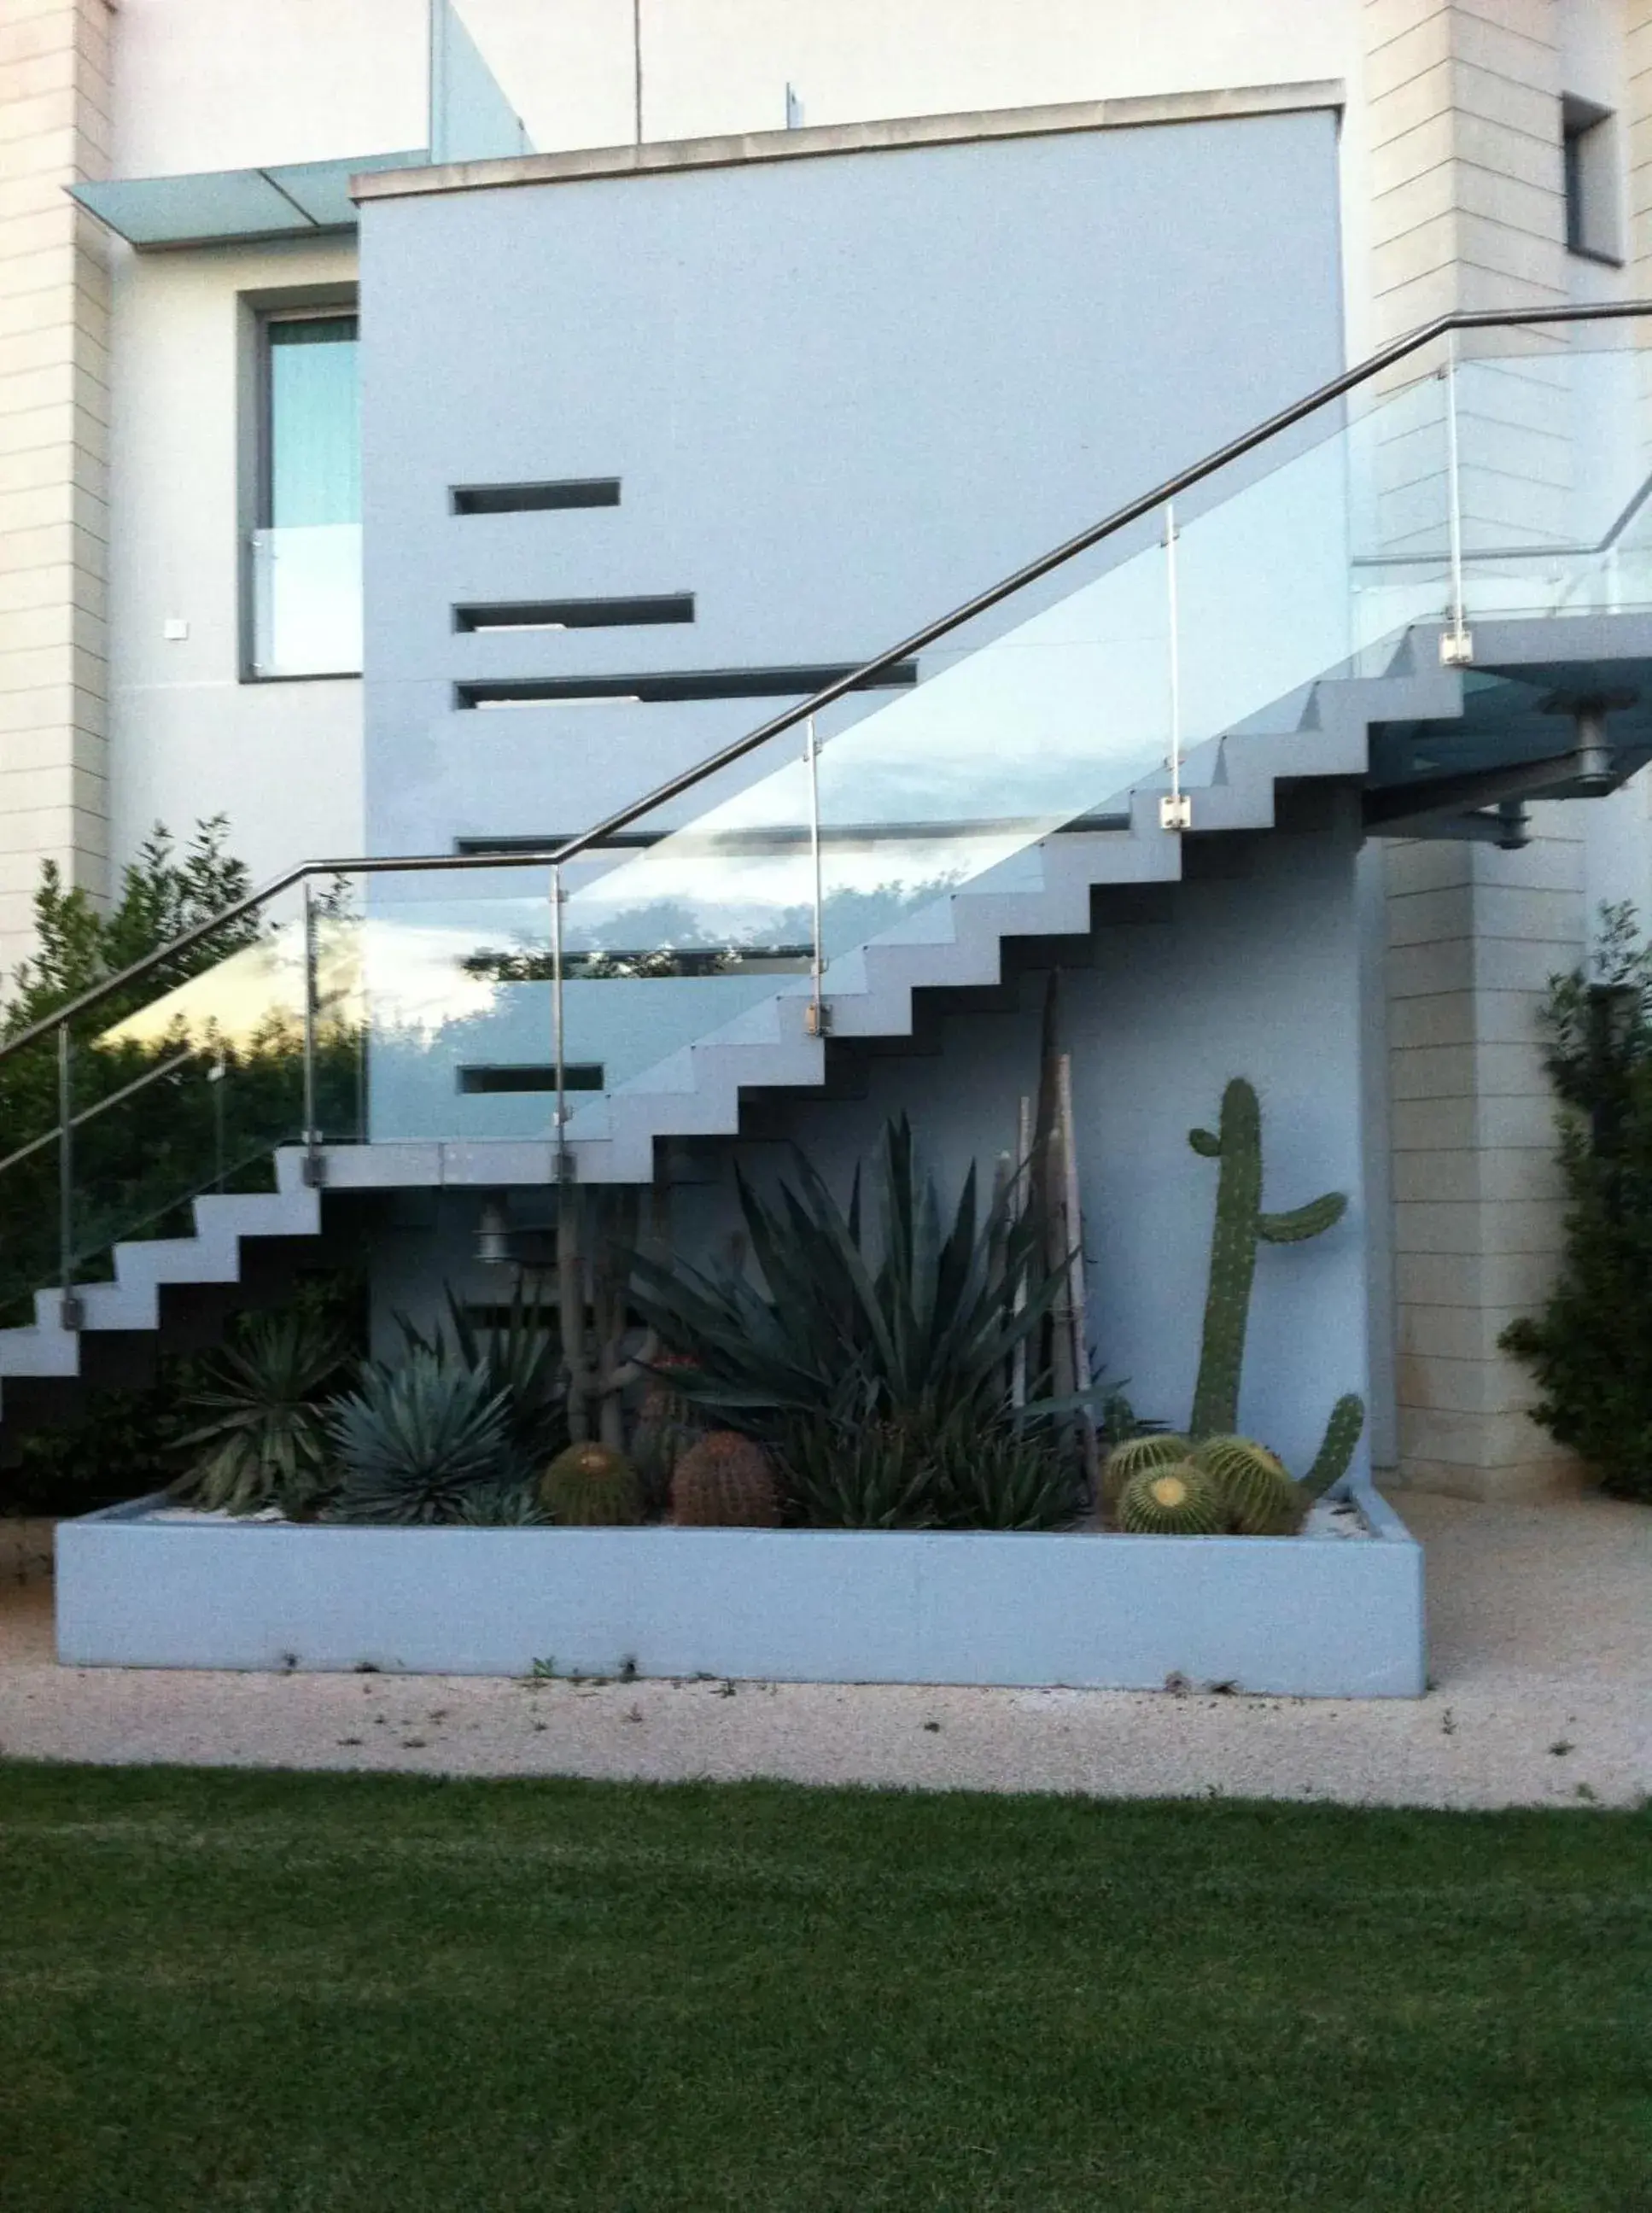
x=672, y=684
x=533, y=499
x=575, y=614
x=512, y=1075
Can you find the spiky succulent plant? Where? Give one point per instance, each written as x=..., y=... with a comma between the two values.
x=415, y=1441
x=1261, y=1499
x=1178, y=1500
x=1002, y=1478
x=509, y=1505
x=259, y=1439
x=856, y=1475
x=520, y=1356
x=592, y=1486
x=909, y=1323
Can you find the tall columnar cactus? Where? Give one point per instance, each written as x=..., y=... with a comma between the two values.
x=1240, y=1225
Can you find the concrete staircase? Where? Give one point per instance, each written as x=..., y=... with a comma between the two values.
x=163, y=1289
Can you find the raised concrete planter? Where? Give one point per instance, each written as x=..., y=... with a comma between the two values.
x=1302, y=1617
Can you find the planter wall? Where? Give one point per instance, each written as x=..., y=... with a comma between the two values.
x=1303, y=1617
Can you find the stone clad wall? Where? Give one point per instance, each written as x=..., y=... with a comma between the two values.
x=1469, y=212
x=55, y=107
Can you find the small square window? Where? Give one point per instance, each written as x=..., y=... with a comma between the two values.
x=1589, y=139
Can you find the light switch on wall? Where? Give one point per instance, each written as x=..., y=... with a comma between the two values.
x=174, y=628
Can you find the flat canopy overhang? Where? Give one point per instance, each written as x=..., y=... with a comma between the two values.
x=220, y=206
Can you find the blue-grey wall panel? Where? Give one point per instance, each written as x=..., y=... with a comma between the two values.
x=840, y=395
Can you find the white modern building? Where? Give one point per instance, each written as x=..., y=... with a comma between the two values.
x=647, y=368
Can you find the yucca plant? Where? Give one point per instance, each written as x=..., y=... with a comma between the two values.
x=259, y=1438
x=416, y=1442
x=916, y=1325
x=522, y=1359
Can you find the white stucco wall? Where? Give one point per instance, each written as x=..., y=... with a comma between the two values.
x=221, y=84
x=282, y=760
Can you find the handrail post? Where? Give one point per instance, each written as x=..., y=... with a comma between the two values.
x=818, y=1021
x=1456, y=641
x=71, y=1307
x=313, y=1163
x=564, y=1156
x=1175, y=808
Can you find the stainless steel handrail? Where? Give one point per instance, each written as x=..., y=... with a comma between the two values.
x=1120, y=518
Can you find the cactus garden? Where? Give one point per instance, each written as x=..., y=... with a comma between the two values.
x=887, y=1361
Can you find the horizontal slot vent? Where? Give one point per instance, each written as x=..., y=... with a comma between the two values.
x=576, y=614
x=683, y=684
x=529, y=1076
x=532, y=498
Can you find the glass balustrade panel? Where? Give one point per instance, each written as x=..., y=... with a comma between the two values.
x=1554, y=437
x=177, y=1091
x=307, y=600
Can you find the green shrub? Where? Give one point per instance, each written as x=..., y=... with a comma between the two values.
x=1590, y=1347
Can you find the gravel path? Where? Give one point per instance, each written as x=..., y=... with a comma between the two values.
x=1541, y=1651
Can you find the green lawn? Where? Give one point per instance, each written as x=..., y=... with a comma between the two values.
x=355, y=1994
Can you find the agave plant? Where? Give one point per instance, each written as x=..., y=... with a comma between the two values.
x=259, y=1438
x=510, y=1505
x=416, y=1442
x=866, y=1475
x=522, y=1359
x=1005, y=1477
x=924, y=1331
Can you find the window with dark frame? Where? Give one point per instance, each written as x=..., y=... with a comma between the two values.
x=306, y=548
